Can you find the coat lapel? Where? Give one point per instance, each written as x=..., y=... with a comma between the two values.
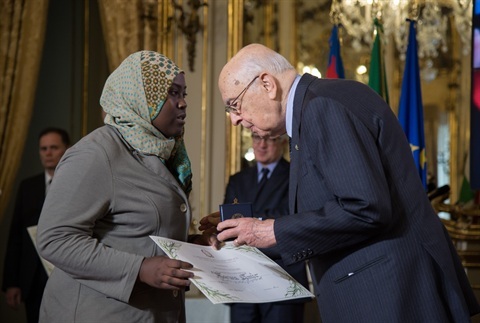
x=295, y=140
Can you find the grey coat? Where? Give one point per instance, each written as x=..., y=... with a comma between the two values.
x=105, y=201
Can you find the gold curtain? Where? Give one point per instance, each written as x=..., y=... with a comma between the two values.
x=22, y=32
x=128, y=26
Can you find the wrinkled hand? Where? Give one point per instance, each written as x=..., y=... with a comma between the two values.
x=13, y=296
x=164, y=273
x=248, y=231
x=208, y=224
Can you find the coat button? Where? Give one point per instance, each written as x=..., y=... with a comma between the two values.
x=175, y=293
x=296, y=147
x=183, y=207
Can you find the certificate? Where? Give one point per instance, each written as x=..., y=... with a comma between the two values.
x=234, y=274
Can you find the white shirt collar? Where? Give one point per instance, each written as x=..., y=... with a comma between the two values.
x=270, y=167
x=289, y=113
x=48, y=178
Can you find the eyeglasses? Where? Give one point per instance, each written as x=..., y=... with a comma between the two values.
x=268, y=140
x=230, y=108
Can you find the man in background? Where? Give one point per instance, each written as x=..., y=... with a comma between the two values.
x=24, y=277
x=265, y=185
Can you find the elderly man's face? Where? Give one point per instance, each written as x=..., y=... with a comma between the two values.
x=253, y=108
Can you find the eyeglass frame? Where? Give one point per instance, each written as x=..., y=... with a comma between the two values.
x=257, y=139
x=229, y=107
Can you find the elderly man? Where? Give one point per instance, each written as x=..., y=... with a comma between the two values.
x=358, y=211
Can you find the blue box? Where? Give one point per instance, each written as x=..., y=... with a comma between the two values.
x=236, y=210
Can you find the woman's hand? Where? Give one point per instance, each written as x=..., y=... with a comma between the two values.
x=165, y=273
x=205, y=239
x=208, y=224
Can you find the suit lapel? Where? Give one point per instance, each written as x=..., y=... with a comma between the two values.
x=244, y=185
x=38, y=189
x=298, y=103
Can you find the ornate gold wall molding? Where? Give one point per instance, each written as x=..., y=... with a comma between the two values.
x=203, y=150
x=235, y=42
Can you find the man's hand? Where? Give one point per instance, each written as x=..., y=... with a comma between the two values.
x=248, y=231
x=164, y=273
x=14, y=297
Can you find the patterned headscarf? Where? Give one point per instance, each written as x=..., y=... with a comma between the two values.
x=133, y=96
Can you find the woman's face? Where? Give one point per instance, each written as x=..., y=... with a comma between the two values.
x=171, y=119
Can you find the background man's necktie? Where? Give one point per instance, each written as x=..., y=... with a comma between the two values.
x=263, y=180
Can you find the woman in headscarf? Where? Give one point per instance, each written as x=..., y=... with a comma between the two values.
x=113, y=189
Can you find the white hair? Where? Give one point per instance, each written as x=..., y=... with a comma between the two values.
x=251, y=63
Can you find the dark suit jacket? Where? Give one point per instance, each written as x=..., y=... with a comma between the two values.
x=22, y=263
x=272, y=203
x=378, y=251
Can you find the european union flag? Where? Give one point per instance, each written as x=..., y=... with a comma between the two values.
x=410, y=111
x=335, y=64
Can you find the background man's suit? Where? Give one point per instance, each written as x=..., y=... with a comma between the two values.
x=378, y=252
x=271, y=203
x=23, y=267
